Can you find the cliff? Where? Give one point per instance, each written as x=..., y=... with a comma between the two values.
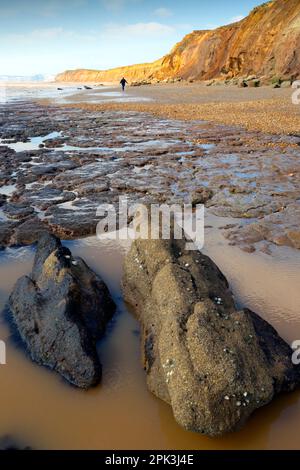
x=131, y=72
x=265, y=43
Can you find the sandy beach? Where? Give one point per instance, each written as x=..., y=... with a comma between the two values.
x=260, y=109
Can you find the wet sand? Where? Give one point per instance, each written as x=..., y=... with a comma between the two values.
x=260, y=109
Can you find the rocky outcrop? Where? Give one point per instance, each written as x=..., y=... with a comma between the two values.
x=214, y=364
x=8, y=442
x=281, y=228
x=265, y=43
x=60, y=311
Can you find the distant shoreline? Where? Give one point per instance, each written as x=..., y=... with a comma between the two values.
x=54, y=84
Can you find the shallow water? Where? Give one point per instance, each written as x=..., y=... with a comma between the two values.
x=41, y=410
x=10, y=92
x=105, y=94
x=8, y=189
x=33, y=144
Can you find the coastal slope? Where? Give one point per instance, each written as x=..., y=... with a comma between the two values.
x=265, y=43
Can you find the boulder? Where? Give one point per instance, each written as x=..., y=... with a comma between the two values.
x=6, y=227
x=26, y=232
x=60, y=311
x=141, y=83
x=253, y=83
x=214, y=364
x=242, y=84
x=18, y=210
x=201, y=196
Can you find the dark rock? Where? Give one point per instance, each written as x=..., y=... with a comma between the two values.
x=44, y=169
x=17, y=210
x=9, y=443
x=253, y=83
x=3, y=198
x=88, y=188
x=60, y=311
x=6, y=228
x=214, y=364
x=69, y=224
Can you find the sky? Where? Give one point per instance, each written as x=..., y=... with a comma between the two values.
x=50, y=36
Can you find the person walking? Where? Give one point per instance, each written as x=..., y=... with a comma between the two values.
x=123, y=83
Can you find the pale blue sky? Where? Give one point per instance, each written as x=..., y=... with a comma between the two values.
x=49, y=36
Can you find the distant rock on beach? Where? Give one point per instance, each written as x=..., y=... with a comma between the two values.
x=214, y=364
x=61, y=310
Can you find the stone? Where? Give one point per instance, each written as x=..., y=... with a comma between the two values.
x=253, y=83
x=198, y=348
x=60, y=311
x=27, y=232
x=6, y=228
x=17, y=210
x=201, y=196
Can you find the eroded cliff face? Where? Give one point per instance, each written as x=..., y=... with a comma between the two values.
x=265, y=43
x=131, y=72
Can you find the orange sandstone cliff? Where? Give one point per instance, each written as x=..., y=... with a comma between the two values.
x=265, y=43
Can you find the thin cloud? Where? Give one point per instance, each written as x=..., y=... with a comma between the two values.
x=38, y=36
x=49, y=8
x=237, y=18
x=138, y=29
x=116, y=6
x=163, y=12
